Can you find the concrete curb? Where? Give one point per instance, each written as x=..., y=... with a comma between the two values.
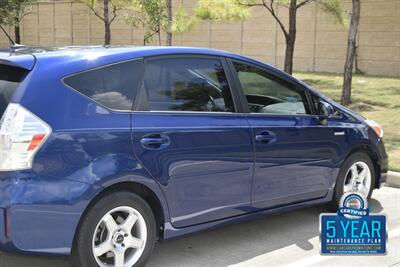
x=393, y=179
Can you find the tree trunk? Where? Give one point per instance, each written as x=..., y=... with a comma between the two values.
x=107, y=36
x=17, y=20
x=351, y=49
x=17, y=34
x=169, y=15
x=291, y=37
x=107, y=24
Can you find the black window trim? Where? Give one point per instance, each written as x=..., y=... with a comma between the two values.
x=7, y=94
x=243, y=100
x=105, y=66
x=342, y=115
x=142, y=105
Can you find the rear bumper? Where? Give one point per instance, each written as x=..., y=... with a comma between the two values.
x=3, y=235
x=39, y=215
x=5, y=244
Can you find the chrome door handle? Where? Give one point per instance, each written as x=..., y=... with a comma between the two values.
x=155, y=141
x=265, y=137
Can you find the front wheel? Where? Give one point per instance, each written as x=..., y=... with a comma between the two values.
x=119, y=231
x=357, y=174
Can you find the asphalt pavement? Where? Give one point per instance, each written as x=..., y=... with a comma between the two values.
x=289, y=240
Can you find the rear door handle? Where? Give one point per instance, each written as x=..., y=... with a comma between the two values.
x=155, y=141
x=266, y=137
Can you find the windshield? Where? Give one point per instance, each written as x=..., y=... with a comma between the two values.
x=10, y=78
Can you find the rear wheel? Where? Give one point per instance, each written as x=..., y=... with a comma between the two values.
x=357, y=174
x=119, y=230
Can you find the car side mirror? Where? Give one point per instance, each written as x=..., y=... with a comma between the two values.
x=325, y=111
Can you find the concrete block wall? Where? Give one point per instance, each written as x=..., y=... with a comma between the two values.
x=320, y=44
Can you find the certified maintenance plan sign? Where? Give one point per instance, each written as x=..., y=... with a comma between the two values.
x=352, y=230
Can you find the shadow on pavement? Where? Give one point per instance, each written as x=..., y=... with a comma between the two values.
x=222, y=247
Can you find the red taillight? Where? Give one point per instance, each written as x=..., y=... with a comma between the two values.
x=21, y=135
x=36, y=140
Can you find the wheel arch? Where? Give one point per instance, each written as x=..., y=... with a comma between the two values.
x=372, y=154
x=156, y=204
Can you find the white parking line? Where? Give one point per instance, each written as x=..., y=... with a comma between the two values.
x=318, y=258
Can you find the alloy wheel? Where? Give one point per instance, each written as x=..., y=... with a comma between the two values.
x=358, y=179
x=119, y=238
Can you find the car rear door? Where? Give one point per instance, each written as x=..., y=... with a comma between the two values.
x=187, y=133
x=295, y=156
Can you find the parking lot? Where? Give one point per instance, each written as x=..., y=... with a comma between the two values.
x=289, y=239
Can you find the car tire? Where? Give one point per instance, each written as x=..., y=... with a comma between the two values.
x=124, y=209
x=344, y=177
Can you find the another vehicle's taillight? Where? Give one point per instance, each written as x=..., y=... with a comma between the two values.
x=21, y=135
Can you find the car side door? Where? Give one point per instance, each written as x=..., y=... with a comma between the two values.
x=295, y=155
x=188, y=134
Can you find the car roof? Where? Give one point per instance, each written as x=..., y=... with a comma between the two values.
x=92, y=52
x=64, y=61
x=71, y=59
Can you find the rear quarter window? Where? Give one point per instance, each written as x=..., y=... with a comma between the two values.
x=113, y=86
x=10, y=78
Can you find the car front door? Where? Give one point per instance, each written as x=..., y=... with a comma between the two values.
x=188, y=135
x=294, y=154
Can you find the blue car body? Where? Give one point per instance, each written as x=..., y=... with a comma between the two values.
x=212, y=172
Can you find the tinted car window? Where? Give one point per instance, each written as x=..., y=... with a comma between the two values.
x=187, y=84
x=10, y=78
x=113, y=86
x=268, y=94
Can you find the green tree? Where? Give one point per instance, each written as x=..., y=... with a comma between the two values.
x=169, y=22
x=106, y=11
x=239, y=9
x=221, y=10
x=149, y=15
x=351, y=53
x=178, y=21
x=12, y=13
x=182, y=21
x=156, y=16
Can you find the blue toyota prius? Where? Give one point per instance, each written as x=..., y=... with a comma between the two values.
x=106, y=150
